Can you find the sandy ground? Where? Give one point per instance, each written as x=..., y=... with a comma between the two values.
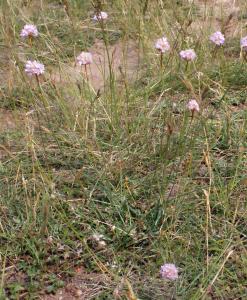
x=123, y=63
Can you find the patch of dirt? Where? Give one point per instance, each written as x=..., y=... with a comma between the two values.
x=219, y=7
x=9, y=79
x=87, y=286
x=29, y=7
x=83, y=286
x=9, y=120
x=124, y=64
x=4, y=70
x=218, y=15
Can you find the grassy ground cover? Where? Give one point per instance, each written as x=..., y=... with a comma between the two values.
x=107, y=171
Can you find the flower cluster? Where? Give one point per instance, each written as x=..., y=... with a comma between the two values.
x=34, y=68
x=85, y=58
x=193, y=105
x=243, y=43
x=101, y=16
x=169, y=271
x=217, y=38
x=162, y=45
x=188, y=54
x=29, y=30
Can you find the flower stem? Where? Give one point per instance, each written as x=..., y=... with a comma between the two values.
x=161, y=60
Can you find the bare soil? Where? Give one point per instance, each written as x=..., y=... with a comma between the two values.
x=123, y=62
x=83, y=286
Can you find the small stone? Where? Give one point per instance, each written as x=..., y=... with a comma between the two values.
x=78, y=293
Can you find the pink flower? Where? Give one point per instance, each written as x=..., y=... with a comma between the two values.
x=188, y=54
x=243, y=43
x=85, y=58
x=100, y=16
x=217, y=38
x=162, y=45
x=193, y=105
x=29, y=30
x=169, y=271
x=34, y=68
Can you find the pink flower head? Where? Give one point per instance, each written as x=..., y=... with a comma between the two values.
x=243, y=43
x=162, y=45
x=34, y=68
x=100, y=16
x=193, y=105
x=217, y=38
x=29, y=30
x=169, y=271
x=85, y=58
x=188, y=54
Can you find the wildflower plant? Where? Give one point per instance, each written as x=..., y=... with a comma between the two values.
x=100, y=16
x=29, y=30
x=243, y=43
x=34, y=68
x=193, y=105
x=217, y=38
x=85, y=59
x=169, y=271
x=188, y=55
x=162, y=46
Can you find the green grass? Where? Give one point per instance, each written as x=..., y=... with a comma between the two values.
x=129, y=163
